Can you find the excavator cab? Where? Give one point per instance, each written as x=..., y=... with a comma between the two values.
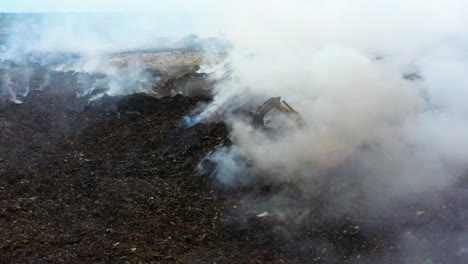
x=258, y=114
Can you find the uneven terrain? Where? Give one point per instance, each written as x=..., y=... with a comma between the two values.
x=116, y=181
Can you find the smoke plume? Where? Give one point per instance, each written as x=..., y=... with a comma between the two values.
x=381, y=86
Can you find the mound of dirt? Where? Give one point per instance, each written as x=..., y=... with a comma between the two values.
x=116, y=181
x=100, y=185
x=111, y=181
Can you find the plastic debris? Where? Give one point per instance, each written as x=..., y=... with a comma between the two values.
x=264, y=214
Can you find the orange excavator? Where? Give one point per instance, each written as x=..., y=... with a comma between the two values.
x=258, y=114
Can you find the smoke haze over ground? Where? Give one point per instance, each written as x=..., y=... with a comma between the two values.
x=96, y=43
x=382, y=87
x=343, y=66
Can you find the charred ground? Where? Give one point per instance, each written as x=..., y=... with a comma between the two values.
x=116, y=181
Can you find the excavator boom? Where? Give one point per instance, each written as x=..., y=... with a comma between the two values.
x=272, y=103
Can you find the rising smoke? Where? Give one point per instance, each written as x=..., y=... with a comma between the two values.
x=88, y=43
x=343, y=66
x=373, y=137
x=382, y=87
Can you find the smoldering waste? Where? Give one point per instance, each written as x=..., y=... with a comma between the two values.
x=123, y=180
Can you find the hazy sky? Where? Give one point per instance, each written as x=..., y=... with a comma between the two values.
x=156, y=6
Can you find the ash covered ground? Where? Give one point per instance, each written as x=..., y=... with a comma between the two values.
x=98, y=163
x=118, y=180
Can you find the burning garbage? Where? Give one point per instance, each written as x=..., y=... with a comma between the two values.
x=152, y=144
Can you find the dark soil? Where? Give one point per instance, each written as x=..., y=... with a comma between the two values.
x=116, y=181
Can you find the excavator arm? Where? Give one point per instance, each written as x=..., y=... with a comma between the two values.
x=278, y=103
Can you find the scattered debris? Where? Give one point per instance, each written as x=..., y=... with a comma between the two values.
x=93, y=186
x=264, y=214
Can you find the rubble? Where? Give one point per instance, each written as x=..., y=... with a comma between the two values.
x=117, y=181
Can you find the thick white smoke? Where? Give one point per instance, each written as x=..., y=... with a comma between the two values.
x=342, y=64
x=382, y=86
